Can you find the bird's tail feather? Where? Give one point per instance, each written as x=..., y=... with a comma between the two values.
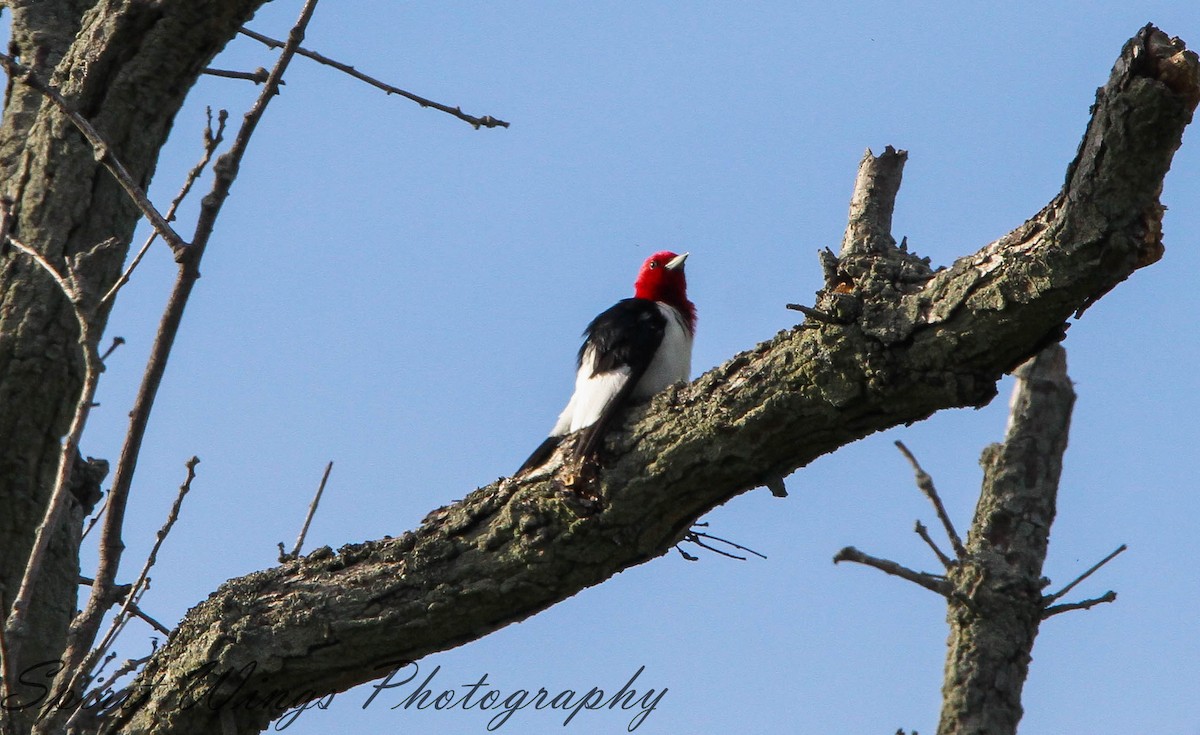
x=593, y=436
x=541, y=454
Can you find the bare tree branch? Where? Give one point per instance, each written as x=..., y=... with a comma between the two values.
x=134, y=609
x=258, y=76
x=312, y=509
x=487, y=121
x=874, y=200
x=129, y=604
x=506, y=551
x=15, y=617
x=925, y=484
x=1109, y=596
x=1091, y=570
x=932, y=582
x=212, y=140
x=923, y=532
x=104, y=153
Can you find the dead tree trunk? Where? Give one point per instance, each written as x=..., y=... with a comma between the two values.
x=997, y=601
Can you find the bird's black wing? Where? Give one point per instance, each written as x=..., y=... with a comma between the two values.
x=627, y=335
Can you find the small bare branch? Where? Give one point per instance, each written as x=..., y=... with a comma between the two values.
x=923, y=532
x=102, y=151
x=925, y=483
x=487, y=121
x=258, y=76
x=1092, y=570
x=142, y=581
x=136, y=610
x=212, y=140
x=67, y=289
x=130, y=665
x=815, y=314
x=312, y=509
x=116, y=342
x=929, y=581
x=1109, y=596
x=132, y=597
x=684, y=554
x=695, y=537
x=95, y=518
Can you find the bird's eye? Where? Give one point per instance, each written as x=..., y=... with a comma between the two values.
x=653, y=264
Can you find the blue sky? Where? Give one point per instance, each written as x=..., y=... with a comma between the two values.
x=395, y=291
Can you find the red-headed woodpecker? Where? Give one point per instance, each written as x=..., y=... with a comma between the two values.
x=630, y=352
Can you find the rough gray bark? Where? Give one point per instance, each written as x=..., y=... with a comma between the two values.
x=126, y=66
x=899, y=343
x=997, y=603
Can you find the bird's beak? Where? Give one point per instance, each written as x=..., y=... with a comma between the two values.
x=677, y=261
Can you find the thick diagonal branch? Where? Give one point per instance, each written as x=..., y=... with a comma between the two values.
x=332, y=619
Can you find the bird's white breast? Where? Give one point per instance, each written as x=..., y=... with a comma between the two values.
x=673, y=360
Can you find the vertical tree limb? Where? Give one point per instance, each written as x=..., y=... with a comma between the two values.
x=869, y=229
x=990, y=642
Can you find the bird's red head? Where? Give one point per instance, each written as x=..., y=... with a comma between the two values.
x=662, y=279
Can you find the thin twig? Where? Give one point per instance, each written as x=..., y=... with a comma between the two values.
x=258, y=76
x=929, y=581
x=130, y=665
x=211, y=141
x=131, y=599
x=136, y=610
x=694, y=537
x=487, y=121
x=1109, y=596
x=116, y=342
x=95, y=518
x=67, y=289
x=312, y=509
x=85, y=627
x=1058, y=595
x=923, y=532
x=685, y=555
x=815, y=314
x=102, y=151
x=925, y=483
